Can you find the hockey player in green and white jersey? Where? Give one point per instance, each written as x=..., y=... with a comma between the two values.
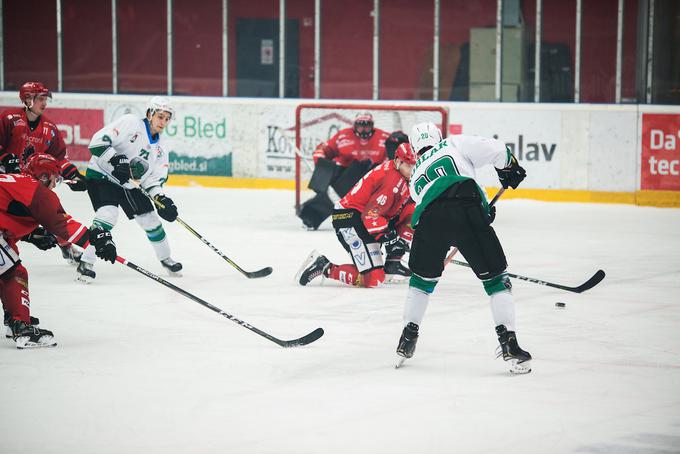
x=452, y=210
x=131, y=148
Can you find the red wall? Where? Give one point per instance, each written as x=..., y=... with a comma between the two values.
x=347, y=44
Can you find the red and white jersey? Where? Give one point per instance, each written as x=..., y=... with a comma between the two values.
x=25, y=203
x=16, y=136
x=345, y=147
x=379, y=196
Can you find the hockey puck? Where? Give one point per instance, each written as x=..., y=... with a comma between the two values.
x=560, y=305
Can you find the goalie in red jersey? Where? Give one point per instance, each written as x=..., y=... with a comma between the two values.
x=377, y=211
x=26, y=130
x=31, y=211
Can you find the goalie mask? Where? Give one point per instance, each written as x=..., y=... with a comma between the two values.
x=363, y=125
x=424, y=136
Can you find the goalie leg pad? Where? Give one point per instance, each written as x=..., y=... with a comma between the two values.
x=315, y=210
x=324, y=172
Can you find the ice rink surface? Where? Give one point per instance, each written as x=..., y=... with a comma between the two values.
x=142, y=369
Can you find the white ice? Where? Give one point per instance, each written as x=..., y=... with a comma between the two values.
x=142, y=369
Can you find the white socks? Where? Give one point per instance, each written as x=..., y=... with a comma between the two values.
x=503, y=309
x=416, y=304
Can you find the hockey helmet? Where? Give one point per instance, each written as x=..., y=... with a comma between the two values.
x=393, y=141
x=43, y=167
x=424, y=136
x=363, y=125
x=29, y=90
x=405, y=153
x=159, y=103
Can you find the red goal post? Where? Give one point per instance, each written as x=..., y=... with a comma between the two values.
x=318, y=122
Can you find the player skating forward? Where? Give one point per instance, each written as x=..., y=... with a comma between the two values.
x=27, y=201
x=451, y=210
x=339, y=163
x=131, y=148
x=26, y=130
x=376, y=211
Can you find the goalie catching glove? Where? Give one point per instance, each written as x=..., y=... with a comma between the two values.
x=103, y=244
x=512, y=175
x=166, y=207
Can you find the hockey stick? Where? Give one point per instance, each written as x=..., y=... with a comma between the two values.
x=587, y=285
x=249, y=274
x=304, y=340
x=455, y=249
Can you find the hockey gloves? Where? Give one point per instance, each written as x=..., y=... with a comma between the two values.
x=41, y=239
x=75, y=181
x=103, y=244
x=492, y=214
x=397, y=248
x=166, y=207
x=121, y=168
x=512, y=175
x=9, y=162
x=388, y=237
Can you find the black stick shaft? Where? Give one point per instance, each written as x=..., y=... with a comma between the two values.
x=311, y=337
x=250, y=275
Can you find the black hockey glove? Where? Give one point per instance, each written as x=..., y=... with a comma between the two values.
x=512, y=175
x=492, y=214
x=388, y=237
x=398, y=248
x=41, y=239
x=166, y=207
x=103, y=244
x=75, y=181
x=9, y=162
x=121, y=168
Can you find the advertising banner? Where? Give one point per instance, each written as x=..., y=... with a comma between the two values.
x=660, y=160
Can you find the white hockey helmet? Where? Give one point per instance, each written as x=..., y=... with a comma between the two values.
x=159, y=103
x=424, y=135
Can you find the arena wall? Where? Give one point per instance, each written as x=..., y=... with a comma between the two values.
x=572, y=152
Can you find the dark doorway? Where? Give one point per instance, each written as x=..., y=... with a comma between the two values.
x=257, y=58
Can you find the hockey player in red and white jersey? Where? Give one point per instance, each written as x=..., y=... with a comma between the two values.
x=31, y=211
x=377, y=211
x=26, y=130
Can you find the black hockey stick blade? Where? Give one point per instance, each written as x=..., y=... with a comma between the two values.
x=304, y=340
x=587, y=285
x=259, y=273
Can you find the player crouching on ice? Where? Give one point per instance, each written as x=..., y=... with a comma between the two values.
x=451, y=210
x=31, y=211
x=131, y=148
x=377, y=211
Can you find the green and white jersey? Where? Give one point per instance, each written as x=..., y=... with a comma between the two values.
x=130, y=136
x=453, y=160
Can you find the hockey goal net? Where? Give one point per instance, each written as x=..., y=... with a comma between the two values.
x=318, y=122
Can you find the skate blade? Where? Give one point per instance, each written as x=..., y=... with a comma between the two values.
x=44, y=342
x=173, y=273
x=308, y=261
x=400, y=362
x=517, y=368
x=396, y=279
x=84, y=279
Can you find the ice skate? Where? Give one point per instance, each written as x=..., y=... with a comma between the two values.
x=30, y=336
x=8, y=329
x=518, y=360
x=396, y=272
x=172, y=267
x=314, y=266
x=407, y=343
x=70, y=254
x=85, y=273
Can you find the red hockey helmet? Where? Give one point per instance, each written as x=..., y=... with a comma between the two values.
x=42, y=167
x=30, y=90
x=405, y=153
x=363, y=125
